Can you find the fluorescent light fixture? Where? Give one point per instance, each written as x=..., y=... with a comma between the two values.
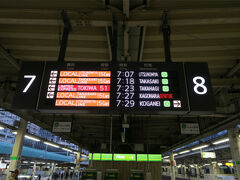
x=75, y=152
x=32, y=162
x=6, y=160
x=65, y=149
x=25, y=162
x=191, y=165
x=219, y=164
x=2, y=128
x=32, y=138
x=230, y=161
x=199, y=147
x=183, y=152
x=206, y=164
x=221, y=141
x=50, y=144
x=165, y=157
x=14, y=132
x=175, y=154
x=214, y=162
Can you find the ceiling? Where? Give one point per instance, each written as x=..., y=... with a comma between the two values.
x=203, y=30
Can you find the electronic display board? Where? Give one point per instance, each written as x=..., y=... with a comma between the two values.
x=107, y=157
x=96, y=156
x=154, y=157
x=122, y=87
x=90, y=156
x=142, y=157
x=124, y=157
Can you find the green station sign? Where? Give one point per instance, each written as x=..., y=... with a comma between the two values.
x=96, y=156
x=90, y=156
x=124, y=157
x=154, y=157
x=107, y=157
x=142, y=157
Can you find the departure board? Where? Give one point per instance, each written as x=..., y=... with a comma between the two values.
x=149, y=86
x=106, y=87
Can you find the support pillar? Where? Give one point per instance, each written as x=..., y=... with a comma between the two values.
x=234, y=141
x=34, y=169
x=17, y=147
x=52, y=170
x=185, y=171
x=214, y=166
x=198, y=172
x=78, y=161
x=172, y=166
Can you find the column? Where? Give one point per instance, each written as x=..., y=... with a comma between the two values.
x=215, y=166
x=173, y=175
x=234, y=141
x=17, y=147
x=52, y=170
x=198, y=172
x=78, y=161
x=184, y=171
x=34, y=169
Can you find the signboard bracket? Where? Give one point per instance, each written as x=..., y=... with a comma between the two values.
x=165, y=28
x=67, y=29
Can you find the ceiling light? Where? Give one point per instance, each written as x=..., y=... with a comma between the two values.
x=206, y=164
x=175, y=154
x=65, y=149
x=2, y=128
x=50, y=144
x=165, y=157
x=14, y=132
x=32, y=138
x=199, y=147
x=219, y=164
x=25, y=162
x=221, y=141
x=75, y=152
x=184, y=152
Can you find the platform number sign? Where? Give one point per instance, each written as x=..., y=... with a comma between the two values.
x=32, y=78
x=29, y=82
x=199, y=88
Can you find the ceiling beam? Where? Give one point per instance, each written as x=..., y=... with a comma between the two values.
x=130, y=23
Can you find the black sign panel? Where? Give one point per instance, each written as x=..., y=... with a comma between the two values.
x=149, y=88
x=70, y=87
x=122, y=87
x=200, y=93
x=116, y=88
x=28, y=85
